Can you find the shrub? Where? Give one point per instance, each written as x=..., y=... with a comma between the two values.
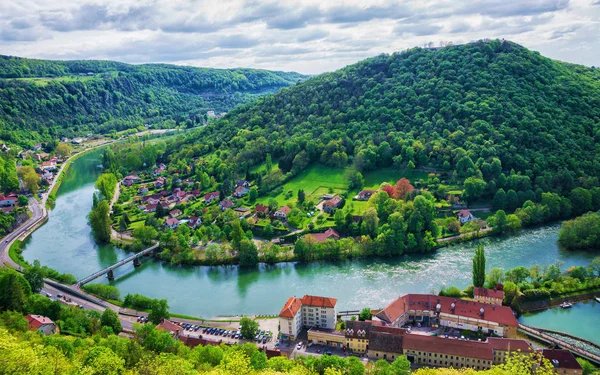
x=103, y=291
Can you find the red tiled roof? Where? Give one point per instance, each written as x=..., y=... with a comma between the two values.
x=172, y=221
x=36, y=321
x=365, y=192
x=285, y=209
x=436, y=344
x=214, y=194
x=169, y=326
x=564, y=357
x=227, y=203
x=319, y=301
x=498, y=314
x=262, y=208
x=492, y=293
x=291, y=307
x=512, y=345
x=322, y=237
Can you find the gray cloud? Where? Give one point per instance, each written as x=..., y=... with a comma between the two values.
x=504, y=8
x=566, y=31
x=312, y=35
x=417, y=29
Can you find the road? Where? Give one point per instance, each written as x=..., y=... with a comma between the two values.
x=38, y=213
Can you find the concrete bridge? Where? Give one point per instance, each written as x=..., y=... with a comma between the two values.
x=348, y=313
x=109, y=270
x=539, y=335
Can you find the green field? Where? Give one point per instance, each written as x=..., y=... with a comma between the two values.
x=319, y=179
x=43, y=81
x=316, y=180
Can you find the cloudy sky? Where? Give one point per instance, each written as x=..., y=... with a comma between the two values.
x=305, y=36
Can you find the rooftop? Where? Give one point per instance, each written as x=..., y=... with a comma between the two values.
x=470, y=309
x=561, y=358
x=510, y=344
x=319, y=301
x=485, y=292
x=436, y=344
x=291, y=307
x=36, y=321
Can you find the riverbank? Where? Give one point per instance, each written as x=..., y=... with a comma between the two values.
x=535, y=306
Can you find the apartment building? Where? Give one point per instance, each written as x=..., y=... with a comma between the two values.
x=307, y=312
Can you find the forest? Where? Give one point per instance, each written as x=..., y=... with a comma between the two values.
x=42, y=100
x=490, y=109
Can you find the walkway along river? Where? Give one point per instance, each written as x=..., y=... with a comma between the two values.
x=65, y=243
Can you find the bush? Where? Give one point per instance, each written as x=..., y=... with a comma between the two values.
x=103, y=291
x=137, y=301
x=536, y=294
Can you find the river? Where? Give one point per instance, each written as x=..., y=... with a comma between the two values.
x=65, y=243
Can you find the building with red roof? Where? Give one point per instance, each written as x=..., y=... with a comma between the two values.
x=261, y=209
x=167, y=325
x=209, y=197
x=564, y=362
x=429, y=309
x=308, y=311
x=282, y=212
x=322, y=237
x=491, y=296
x=464, y=216
x=41, y=323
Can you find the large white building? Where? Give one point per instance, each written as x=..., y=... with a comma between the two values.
x=308, y=311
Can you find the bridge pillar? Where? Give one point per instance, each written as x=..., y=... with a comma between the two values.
x=110, y=275
x=137, y=262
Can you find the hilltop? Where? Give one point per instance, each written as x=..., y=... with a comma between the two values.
x=483, y=109
x=40, y=99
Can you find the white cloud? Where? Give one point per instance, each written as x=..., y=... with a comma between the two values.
x=309, y=36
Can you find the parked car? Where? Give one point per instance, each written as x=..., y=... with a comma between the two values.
x=299, y=346
x=264, y=340
x=48, y=295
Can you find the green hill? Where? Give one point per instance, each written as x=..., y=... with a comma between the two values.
x=489, y=109
x=40, y=99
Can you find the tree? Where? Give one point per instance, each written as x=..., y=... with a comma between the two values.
x=248, y=253
x=35, y=277
x=268, y=164
x=474, y=188
x=404, y=188
x=401, y=366
x=581, y=201
x=253, y=194
x=159, y=311
x=512, y=201
x=237, y=233
x=301, y=196
x=63, y=150
x=595, y=265
x=365, y=314
x=588, y=368
x=106, y=184
x=14, y=291
x=248, y=327
x=110, y=319
x=499, y=201
x=494, y=277
x=145, y=234
x=23, y=201
x=100, y=222
x=479, y=267
x=370, y=222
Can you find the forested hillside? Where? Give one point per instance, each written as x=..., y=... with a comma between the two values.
x=490, y=109
x=41, y=98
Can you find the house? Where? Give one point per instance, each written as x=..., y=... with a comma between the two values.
x=491, y=296
x=225, y=204
x=168, y=326
x=242, y=212
x=464, y=216
x=41, y=323
x=130, y=180
x=151, y=207
x=195, y=193
x=209, y=197
x=160, y=182
x=4, y=148
x=8, y=200
x=365, y=195
x=357, y=335
x=143, y=190
x=172, y=223
x=308, y=311
x=175, y=213
x=330, y=205
x=210, y=114
x=48, y=166
x=432, y=310
x=282, y=212
x=194, y=221
x=261, y=210
x=240, y=191
x=322, y=237
x=563, y=361
x=243, y=183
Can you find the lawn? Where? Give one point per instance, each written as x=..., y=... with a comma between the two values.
x=375, y=178
x=316, y=180
x=136, y=224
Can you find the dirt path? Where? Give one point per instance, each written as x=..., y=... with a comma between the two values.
x=461, y=235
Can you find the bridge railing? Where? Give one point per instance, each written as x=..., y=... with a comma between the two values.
x=574, y=348
x=95, y=275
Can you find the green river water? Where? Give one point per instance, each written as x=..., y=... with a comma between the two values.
x=65, y=243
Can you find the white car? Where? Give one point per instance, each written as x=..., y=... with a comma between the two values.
x=299, y=346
